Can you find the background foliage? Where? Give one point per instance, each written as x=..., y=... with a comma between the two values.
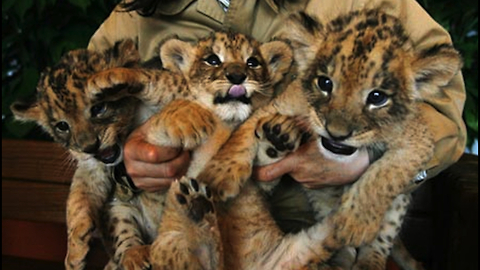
x=35, y=33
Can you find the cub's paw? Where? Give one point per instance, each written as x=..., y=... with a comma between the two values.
x=354, y=229
x=278, y=135
x=136, y=258
x=182, y=123
x=194, y=198
x=78, y=244
x=226, y=176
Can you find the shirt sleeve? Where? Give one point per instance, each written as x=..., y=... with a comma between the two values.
x=119, y=25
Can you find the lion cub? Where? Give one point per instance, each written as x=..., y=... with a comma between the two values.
x=92, y=135
x=202, y=91
x=216, y=83
x=360, y=87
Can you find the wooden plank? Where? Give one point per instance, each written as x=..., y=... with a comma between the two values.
x=35, y=201
x=37, y=240
x=36, y=160
x=16, y=263
x=44, y=244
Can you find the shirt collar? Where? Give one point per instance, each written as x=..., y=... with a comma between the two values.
x=175, y=7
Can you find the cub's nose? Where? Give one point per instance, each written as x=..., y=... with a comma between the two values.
x=92, y=148
x=236, y=78
x=235, y=73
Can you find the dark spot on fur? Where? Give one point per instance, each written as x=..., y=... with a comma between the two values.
x=184, y=189
x=181, y=199
x=194, y=184
x=200, y=207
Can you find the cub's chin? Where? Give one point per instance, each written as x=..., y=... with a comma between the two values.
x=337, y=151
x=337, y=148
x=233, y=112
x=110, y=156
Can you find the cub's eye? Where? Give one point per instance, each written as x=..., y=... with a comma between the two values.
x=253, y=62
x=98, y=109
x=324, y=83
x=213, y=60
x=377, y=98
x=62, y=127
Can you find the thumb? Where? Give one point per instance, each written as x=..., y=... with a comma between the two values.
x=275, y=170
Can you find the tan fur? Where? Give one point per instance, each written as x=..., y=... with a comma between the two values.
x=360, y=85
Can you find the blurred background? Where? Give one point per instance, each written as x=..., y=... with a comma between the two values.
x=35, y=33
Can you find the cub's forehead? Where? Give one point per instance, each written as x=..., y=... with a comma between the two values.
x=71, y=72
x=363, y=40
x=63, y=86
x=361, y=32
x=222, y=42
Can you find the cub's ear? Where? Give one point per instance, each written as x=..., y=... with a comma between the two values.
x=124, y=53
x=27, y=110
x=434, y=68
x=176, y=55
x=31, y=109
x=304, y=32
x=278, y=56
x=303, y=28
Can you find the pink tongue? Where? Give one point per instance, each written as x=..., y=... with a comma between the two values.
x=237, y=91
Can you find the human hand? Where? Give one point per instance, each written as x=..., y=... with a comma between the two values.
x=310, y=167
x=152, y=167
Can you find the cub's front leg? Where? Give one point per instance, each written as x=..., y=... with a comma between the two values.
x=374, y=255
x=188, y=236
x=88, y=194
x=363, y=206
x=189, y=125
x=152, y=86
x=182, y=123
x=125, y=229
x=231, y=167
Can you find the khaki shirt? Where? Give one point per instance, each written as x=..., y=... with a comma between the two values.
x=263, y=19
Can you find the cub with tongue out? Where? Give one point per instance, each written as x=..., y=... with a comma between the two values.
x=202, y=92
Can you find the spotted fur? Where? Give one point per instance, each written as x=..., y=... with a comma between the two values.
x=359, y=88
x=62, y=108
